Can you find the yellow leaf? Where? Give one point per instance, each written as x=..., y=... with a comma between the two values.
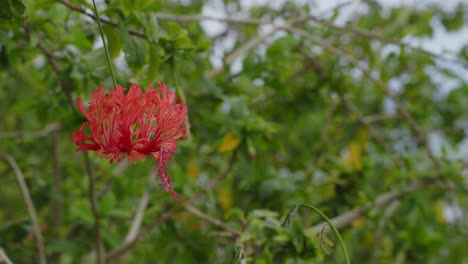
x=358, y=222
x=328, y=191
x=225, y=197
x=352, y=158
x=229, y=143
x=193, y=171
x=439, y=212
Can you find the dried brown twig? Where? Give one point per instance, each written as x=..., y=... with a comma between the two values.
x=29, y=204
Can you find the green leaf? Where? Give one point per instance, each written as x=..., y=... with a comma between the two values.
x=234, y=213
x=114, y=43
x=175, y=31
x=454, y=21
x=149, y=72
x=154, y=62
x=62, y=245
x=107, y=203
x=297, y=234
x=464, y=52
x=136, y=4
x=203, y=45
x=96, y=58
x=133, y=48
x=11, y=13
x=11, y=9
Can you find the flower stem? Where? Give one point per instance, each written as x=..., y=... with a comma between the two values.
x=109, y=63
x=329, y=222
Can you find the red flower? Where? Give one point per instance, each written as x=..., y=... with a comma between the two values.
x=136, y=124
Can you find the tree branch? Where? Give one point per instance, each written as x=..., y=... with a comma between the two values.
x=138, y=219
x=132, y=236
x=381, y=201
x=192, y=18
x=120, y=252
x=386, y=40
x=166, y=16
x=53, y=62
x=415, y=128
x=211, y=220
x=94, y=208
x=103, y=20
x=4, y=257
x=246, y=47
x=46, y=131
x=29, y=204
x=50, y=57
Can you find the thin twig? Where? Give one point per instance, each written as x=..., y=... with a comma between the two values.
x=65, y=82
x=194, y=18
x=166, y=16
x=50, y=57
x=386, y=40
x=103, y=20
x=138, y=219
x=211, y=220
x=376, y=118
x=140, y=212
x=246, y=47
x=29, y=204
x=100, y=258
x=132, y=236
x=382, y=200
x=4, y=257
x=46, y=131
x=120, y=252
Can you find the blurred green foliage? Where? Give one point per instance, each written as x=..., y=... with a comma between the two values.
x=298, y=122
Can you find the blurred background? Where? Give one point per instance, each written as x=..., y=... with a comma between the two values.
x=358, y=108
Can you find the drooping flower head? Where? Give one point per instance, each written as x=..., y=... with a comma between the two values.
x=136, y=124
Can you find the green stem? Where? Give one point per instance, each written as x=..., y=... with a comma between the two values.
x=109, y=63
x=333, y=228
x=179, y=90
